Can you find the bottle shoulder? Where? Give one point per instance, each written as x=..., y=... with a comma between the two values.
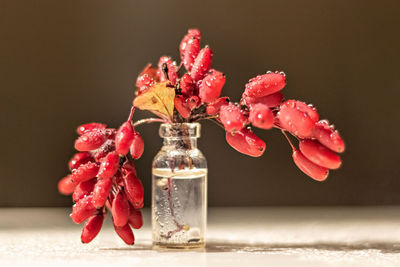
x=179, y=158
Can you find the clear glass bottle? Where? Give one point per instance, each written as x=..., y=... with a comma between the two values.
x=179, y=189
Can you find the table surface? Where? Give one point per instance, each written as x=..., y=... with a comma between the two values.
x=278, y=236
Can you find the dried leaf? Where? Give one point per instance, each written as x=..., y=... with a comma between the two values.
x=158, y=98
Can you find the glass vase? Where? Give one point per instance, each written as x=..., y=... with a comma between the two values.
x=179, y=189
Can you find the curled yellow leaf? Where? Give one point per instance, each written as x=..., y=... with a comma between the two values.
x=158, y=98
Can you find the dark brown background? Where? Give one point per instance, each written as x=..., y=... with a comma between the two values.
x=63, y=63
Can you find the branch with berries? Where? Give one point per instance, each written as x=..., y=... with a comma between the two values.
x=103, y=176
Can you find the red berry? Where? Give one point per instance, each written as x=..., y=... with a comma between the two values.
x=246, y=142
x=192, y=102
x=85, y=172
x=101, y=191
x=266, y=84
x=144, y=81
x=109, y=165
x=137, y=146
x=134, y=190
x=120, y=209
x=187, y=85
x=202, y=64
x=327, y=136
x=83, y=189
x=211, y=86
x=102, y=151
x=91, y=228
x=135, y=218
x=271, y=101
x=66, y=185
x=128, y=167
x=150, y=72
x=214, y=107
x=82, y=209
x=319, y=154
x=297, y=117
x=90, y=140
x=172, y=74
x=308, y=167
x=232, y=117
x=84, y=128
x=261, y=116
x=124, y=138
x=192, y=50
x=125, y=233
x=78, y=159
x=192, y=33
x=181, y=107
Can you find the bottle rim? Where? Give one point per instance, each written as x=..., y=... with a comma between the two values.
x=180, y=130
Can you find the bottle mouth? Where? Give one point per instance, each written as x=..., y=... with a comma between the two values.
x=180, y=130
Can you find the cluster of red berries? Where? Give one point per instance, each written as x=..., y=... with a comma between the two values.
x=103, y=177
x=103, y=174
x=198, y=96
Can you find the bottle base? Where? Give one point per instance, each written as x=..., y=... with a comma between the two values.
x=161, y=245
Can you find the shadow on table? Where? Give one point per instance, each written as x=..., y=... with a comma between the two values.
x=383, y=247
x=219, y=247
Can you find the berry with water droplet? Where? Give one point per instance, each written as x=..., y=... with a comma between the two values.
x=202, y=64
x=261, y=116
x=90, y=140
x=246, y=142
x=266, y=84
x=211, y=86
x=101, y=191
x=82, y=209
x=328, y=136
x=232, y=117
x=137, y=146
x=84, y=128
x=85, y=172
x=109, y=165
x=120, y=209
x=124, y=138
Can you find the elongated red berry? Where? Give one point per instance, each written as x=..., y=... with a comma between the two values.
x=328, y=136
x=109, y=165
x=214, y=107
x=82, y=209
x=187, y=85
x=319, y=154
x=90, y=140
x=271, y=101
x=297, y=117
x=83, y=189
x=134, y=190
x=120, y=209
x=261, y=116
x=66, y=185
x=151, y=72
x=124, y=138
x=202, y=64
x=192, y=33
x=125, y=233
x=101, y=191
x=170, y=72
x=78, y=159
x=84, y=128
x=135, y=218
x=91, y=228
x=192, y=50
x=246, y=142
x=181, y=107
x=137, y=146
x=85, y=172
x=266, y=84
x=308, y=167
x=102, y=151
x=211, y=86
x=232, y=117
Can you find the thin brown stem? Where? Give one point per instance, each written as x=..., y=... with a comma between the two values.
x=287, y=138
x=147, y=120
x=131, y=114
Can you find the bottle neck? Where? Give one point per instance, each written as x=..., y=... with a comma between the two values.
x=184, y=142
